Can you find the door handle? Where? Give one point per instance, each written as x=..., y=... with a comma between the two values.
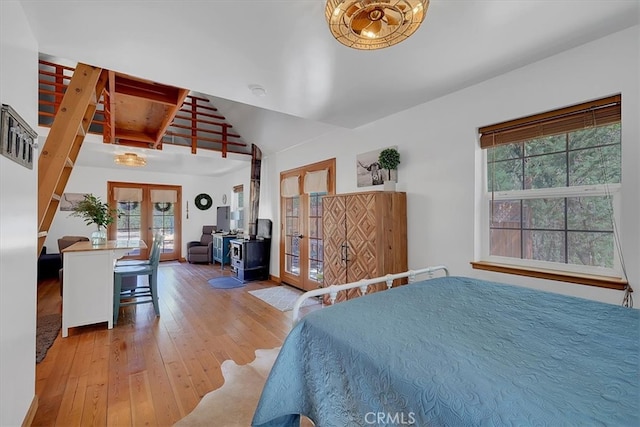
x=299, y=236
x=345, y=253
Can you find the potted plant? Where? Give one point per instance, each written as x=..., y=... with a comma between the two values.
x=95, y=211
x=389, y=158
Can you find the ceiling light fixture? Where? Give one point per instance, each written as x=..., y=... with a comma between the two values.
x=257, y=90
x=374, y=24
x=130, y=159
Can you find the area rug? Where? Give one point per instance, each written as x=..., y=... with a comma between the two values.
x=282, y=297
x=233, y=404
x=47, y=329
x=226, y=282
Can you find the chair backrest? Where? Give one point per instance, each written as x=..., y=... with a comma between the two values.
x=207, y=236
x=65, y=241
x=154, y=258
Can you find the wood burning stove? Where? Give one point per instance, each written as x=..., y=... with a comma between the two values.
x=250, y=258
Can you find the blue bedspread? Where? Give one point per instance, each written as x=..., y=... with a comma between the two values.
x=458, y=352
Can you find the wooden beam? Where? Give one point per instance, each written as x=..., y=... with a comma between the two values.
x=200, y=106
x=163, y=94
x=112, y=108
x=135, y=136
x=213, y=116
x=203, y=138
x=168, y=118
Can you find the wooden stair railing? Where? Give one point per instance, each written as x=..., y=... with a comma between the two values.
x=64, y=141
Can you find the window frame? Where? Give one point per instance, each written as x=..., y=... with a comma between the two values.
x=237, y=207
x=573, y=273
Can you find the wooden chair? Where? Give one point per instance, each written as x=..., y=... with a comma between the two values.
x=131, y=292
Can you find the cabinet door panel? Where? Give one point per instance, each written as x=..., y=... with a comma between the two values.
x=333, y=224
x=361, y=239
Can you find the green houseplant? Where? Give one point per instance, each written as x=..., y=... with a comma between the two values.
x=389, y=159
x=95, y=211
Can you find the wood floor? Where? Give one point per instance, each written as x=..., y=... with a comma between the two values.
x=152, y=370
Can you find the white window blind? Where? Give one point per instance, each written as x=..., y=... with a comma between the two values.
x=316, y=181
x=127, y=194
x=164, y=196
x=290, y=187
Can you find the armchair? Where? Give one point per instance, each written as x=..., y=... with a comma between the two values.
x=202, y=250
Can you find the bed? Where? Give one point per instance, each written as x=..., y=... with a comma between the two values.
x=456, y=351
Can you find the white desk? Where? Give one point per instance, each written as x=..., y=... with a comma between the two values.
x=87, y=281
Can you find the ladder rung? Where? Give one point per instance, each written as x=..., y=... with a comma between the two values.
x=42, y=234
x=68, y=163
x=81, y=130
x=56, y=197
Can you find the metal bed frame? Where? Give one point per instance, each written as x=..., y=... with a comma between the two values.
x=363, y=284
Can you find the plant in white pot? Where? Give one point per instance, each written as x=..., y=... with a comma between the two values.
x=389, y=158
x=95, y=211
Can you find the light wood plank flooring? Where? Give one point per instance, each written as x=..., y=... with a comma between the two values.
x=152, y=370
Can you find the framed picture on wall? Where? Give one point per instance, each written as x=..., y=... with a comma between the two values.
x=369, y=172
x=68, y=201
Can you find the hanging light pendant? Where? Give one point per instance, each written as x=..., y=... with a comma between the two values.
x=130, y=159
x=374, y=24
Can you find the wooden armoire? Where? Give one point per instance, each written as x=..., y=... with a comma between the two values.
x=365, y=236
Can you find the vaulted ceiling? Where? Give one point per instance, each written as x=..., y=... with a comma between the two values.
x=313, y=84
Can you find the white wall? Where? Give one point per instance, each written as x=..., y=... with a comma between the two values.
x=441, y=159
x=18, y=223
x=94, y=180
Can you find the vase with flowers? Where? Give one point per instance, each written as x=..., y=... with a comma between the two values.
x=95, y=211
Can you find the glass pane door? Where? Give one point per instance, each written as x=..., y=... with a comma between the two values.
x=291, y=238
x=315, y=240
x=301, y=237
x=142, y=218
x=163, y=222
x=129, y=223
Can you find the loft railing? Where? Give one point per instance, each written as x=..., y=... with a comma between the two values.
x=198, y=125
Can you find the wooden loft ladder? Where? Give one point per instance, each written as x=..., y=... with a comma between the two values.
x=64, y=141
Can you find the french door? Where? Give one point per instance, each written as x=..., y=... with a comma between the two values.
x=146, y=209
x=301, y=236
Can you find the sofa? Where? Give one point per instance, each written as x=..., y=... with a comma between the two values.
x=48, y=265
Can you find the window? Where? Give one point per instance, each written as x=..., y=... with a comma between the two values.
x=553, y=189
x=237, y=206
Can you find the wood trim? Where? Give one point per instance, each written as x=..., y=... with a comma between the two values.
x=330, y=165
x=145, y=222
x=551, y=114
x=31, y=413
x=561, y=276
x=275, y=279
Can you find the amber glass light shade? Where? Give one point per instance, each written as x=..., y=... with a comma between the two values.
x=130, y=159
x=374, y=24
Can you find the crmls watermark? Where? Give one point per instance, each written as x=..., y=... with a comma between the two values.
x=390, y=418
